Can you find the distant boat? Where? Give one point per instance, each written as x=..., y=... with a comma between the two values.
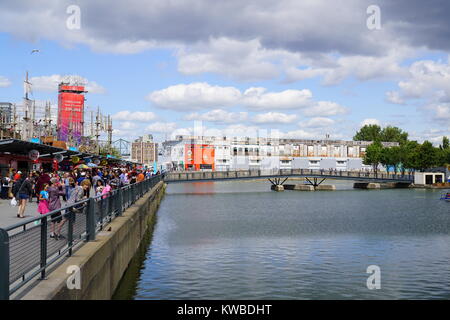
x=446, y=196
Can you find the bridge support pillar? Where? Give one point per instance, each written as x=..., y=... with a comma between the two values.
x=299, y=187
x=366, y=185
x=315, y=183
x=277, y=187
x=326, y=187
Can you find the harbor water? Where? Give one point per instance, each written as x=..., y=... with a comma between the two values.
x=240, y=240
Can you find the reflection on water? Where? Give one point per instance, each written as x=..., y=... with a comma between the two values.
x=239, y=240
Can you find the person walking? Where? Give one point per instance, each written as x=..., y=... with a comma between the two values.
x=22, y=190
x=32, y=178
x=55, y=191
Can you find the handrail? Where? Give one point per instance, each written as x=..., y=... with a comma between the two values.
x=237, y=174
x=27, y=250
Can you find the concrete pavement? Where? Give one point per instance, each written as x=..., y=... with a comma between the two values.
x=8, y=214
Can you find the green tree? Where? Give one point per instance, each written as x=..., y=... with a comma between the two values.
x=427, y=156
x=390, y=156
x=393, y=134
x=408, y=155
x=443, y=153
x=111, y=151
x=445, y=143
x=373, y=155
x=371, y=132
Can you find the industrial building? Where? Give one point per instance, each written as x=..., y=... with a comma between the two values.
x=144, y=150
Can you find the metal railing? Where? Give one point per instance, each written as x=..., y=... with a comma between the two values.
x=27, y=250
x=269, y=173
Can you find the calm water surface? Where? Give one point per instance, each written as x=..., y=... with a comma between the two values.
x=240, y=240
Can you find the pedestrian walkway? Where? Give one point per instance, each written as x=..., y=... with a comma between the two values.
x=8, y=213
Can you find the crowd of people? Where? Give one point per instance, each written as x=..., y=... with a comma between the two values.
x=49, y=188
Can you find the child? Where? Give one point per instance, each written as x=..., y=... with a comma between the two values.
x=99, y=188
x=106, y=190
x=43, y=200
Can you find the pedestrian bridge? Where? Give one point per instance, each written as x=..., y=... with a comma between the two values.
x=279, y=176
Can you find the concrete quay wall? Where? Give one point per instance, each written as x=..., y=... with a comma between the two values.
x=103, y=262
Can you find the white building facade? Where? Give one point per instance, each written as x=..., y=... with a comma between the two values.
x=268, y=153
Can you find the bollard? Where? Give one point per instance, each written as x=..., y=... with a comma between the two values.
x=4, y=265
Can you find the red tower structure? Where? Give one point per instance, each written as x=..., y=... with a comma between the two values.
x=70, y=112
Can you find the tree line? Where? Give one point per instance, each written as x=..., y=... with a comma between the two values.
x=408, y=156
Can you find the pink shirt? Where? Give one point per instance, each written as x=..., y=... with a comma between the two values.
x=106, y=191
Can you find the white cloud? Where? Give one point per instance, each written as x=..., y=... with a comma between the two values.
x=259, y=98
x=433, y=135
x=369, y=121
x=141, y=116
x=4, y=82
x=246, y=40
x=50, y=83
x=181, y=132
x=274, y=117
x=218, y=115
x=197, y=95
x=428, y=83
x=325, y=109
x=241, y=60
x=318, y=122
x=440, y=111
x=300, y=134
x=185, y=97
x=161, y=127
x=427, y=78
x=362, y=68
x=240, y=130
x=394, y=97
x=127, y=125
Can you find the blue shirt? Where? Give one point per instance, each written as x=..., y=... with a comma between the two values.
x=44, y=194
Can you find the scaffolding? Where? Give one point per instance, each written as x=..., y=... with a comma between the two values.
x=37, y=120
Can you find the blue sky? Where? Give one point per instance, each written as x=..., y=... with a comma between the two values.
x=316, y=74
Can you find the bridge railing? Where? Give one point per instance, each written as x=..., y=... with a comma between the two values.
x=230, y=174
x=27, y=250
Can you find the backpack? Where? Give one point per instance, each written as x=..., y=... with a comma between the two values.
x=17, y=187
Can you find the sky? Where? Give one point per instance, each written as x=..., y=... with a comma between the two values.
x=303, y=69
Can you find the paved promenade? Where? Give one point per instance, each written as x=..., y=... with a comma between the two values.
x=8, y=214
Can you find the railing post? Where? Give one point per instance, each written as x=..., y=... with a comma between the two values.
x=4, y=265
x=43, y=246
x=70, y=234
x=90, y=220
x=120, y=200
